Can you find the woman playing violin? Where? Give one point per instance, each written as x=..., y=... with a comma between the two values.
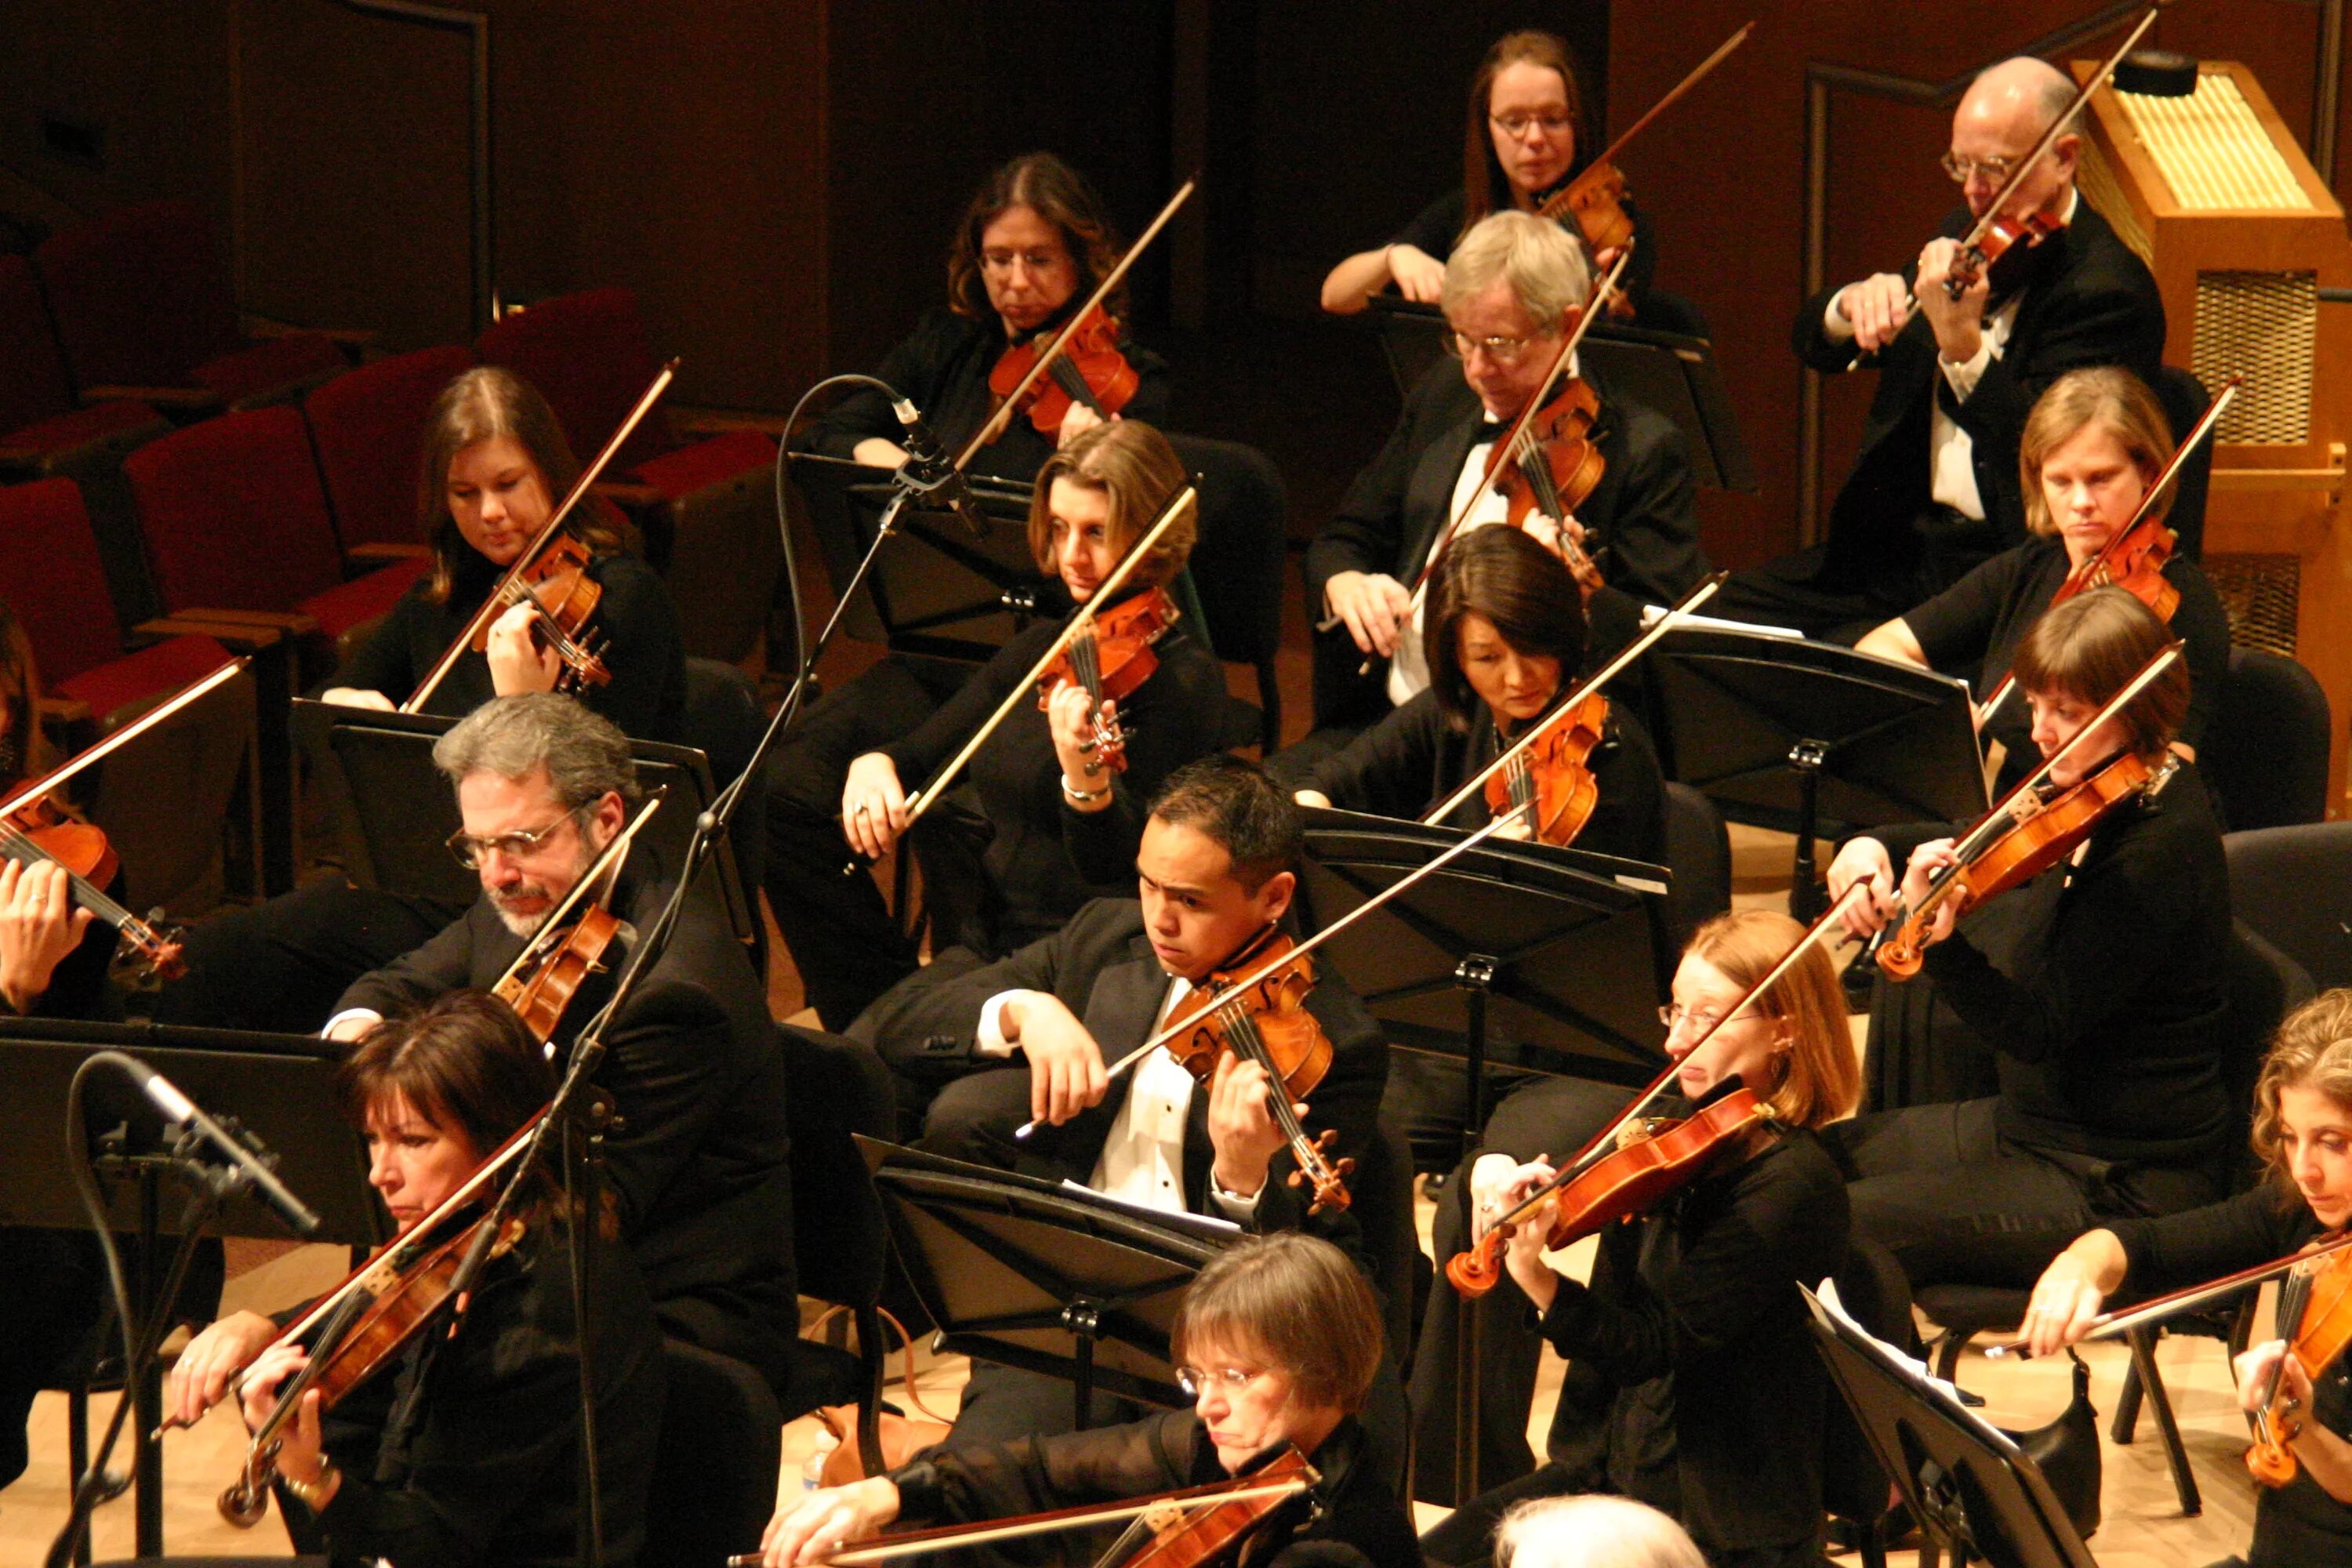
x=1033, y=243
x=1692, y=1386
x=1064, y=823
x=2106, y=1008
x=463, y=1449
x=2303, y=1134
x=2093, y=444
x=1278, y=1342
x=1527, y=126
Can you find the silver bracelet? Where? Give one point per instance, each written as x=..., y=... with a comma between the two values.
x=1083, y=796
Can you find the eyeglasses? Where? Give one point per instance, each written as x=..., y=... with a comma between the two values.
x=470, y=848
x=1227, y=1380
x=1674, y=1017
x=1961, y=166
x=1501, y=350
x=1516, y=125
x=1000, y=262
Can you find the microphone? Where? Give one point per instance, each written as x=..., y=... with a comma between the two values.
x=929, y=472
x=179, y=1107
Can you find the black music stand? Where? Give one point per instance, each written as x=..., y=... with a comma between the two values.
x=1810, y=738
x=937, y=592
x=395, y=812
x=1045, y=1276
x=280, y=1088
x=1666, y=372
x=1975, y=1493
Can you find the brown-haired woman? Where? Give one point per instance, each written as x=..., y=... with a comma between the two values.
x=2108, y=1012
x=1278, y=1342
x=2303, y=1135
x=466, y=1449
x=495, y=465
x=1032, y=244
x=1692, y=1385
x=1063, y=828
x=1525, y=138
x=2093, y=444
x=1505, y=641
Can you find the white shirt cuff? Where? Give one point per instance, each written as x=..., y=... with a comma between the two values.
x=1238, y=1209
x=1835, y=323
x=1963, y=375
x=369, y=1013
x=989, y=1038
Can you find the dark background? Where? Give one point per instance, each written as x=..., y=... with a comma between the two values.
x=777, y=181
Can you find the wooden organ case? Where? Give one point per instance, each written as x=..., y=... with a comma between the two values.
x=2243, y=237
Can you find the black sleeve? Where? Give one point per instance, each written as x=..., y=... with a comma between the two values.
x=930, y=1031
x=647, y=653
x=2201, y=621
x=956, y=721
x=1652, y=531
x=1629, y=811
x=863, y=412
x=1030, y=1475
x=441, y=964
x=1811, y=338
x=1388, y=769
x=1955, y=628
x=1642, y=267
x=382, y=664
x=1367, y=534
x=1170, y=719
x=2176, y=1250
x=1434, y=228
x=2105, y=320
x=669, y=1066
x=1155, y=387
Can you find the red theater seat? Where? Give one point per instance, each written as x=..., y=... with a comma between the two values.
x=41, y=428
x=369, y=427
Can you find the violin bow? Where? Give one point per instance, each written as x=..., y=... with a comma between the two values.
x=592, y=887
x=1111, y=280
x=162, y=713
x=1467, y=842
x=948, y=1537
x=1176, y=506
x=2107, y=1325
x=1698, y=73
x=497, y=604
x=2114, y=546
x=1608, y=672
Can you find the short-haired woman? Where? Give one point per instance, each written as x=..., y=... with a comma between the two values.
x=1278, y=1342
x=2109, y=1014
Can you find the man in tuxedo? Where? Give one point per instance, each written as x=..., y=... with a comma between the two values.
x=1934, y=488
x=1514, y=290
x=698, y=1161
x=1216, y=872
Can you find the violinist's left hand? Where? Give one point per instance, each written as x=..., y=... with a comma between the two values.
x=301, y=1457
x=1925, y=861
x=1241, y=1125
x=1070, y=717
x=518, y=662
x=1523, y=1253
x=1958, y=323
x=1555, y=534
x=2253, y=1373
x=39, y=924
x=1080, y=418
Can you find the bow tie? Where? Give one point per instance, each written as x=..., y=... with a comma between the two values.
x=1488, y=431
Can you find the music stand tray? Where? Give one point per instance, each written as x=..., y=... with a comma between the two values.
x=395, y=812
x=1966, y=1482
x=1810, y=738
x=1668, y=373
x=1048, y=1278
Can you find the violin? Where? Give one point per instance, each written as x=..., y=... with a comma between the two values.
x=2314, y=1318
x=1262, y=1017
x=542, y=993
x=1110, y=658
x=1089, y=370
x=1213, y=1535
x=1554, y=468
x=1660, y=1158
x=39, y=830
x=1555, y=774
x=556, y=583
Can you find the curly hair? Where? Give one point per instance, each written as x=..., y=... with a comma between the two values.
x=2313, y=1049
x=1054, y=191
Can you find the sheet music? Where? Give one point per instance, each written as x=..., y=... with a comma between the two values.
x=1653, y=614
x=1217, y=1227
x=1826, y=1306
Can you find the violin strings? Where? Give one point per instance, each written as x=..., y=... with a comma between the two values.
x=23, y=846
x=1241, y=1027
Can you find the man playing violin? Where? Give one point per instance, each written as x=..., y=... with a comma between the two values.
x=1934, y=489
x=1278, y=1342
x=1514, y=290
x=2303, y=1135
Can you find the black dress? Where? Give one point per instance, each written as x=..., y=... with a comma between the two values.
x=2298, y=1523
x=1973, y=628
x=1437, y=226
x=1352, y=1507
x=1693, y=1384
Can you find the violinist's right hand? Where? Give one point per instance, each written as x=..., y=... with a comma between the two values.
x=1066, y=1065
x=1373, y=606
x=201, y=1377
x=358, y=697
x=1876, y=308
x=2067, y=1297
x=1420, y=277
x=1314, y=797
x=1863, y=860
x=873, y=805
x=877, y=453
x=811, y=1527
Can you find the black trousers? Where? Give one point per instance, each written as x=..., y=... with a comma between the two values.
x=1959, y=1202
x=1837, y=591
x=283, y=965
x=1553, y=1116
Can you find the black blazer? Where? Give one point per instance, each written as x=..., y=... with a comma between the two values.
x=1102, y=967
x=2087, y=300
x=699, y=1162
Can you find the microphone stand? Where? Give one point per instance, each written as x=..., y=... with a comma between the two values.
x=588, y=1048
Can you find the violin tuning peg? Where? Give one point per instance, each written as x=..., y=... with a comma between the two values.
x=1347, y=1168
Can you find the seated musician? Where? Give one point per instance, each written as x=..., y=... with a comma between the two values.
x=2093, y=444
x=698, y=1160
x=1513, y=291
x=496, y=464
x=1931, y=492
x=1216, y=874
x=481, y=1464
x=1525, y=131
x=2303, y=1131
x=1278, y=1342
x=1037, y=782
x=1692, y=1384
x=2107, y=1009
